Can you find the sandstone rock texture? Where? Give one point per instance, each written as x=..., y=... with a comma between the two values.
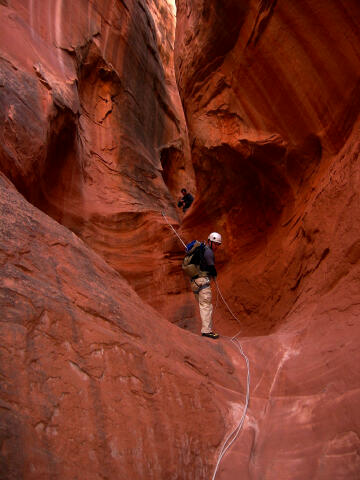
x=94, y=382
x=271, y=96
x=92, y=129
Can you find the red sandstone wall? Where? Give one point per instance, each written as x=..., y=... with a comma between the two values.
x=272, y=104
x=96, y=383
x=91, y=126
x=271, y=96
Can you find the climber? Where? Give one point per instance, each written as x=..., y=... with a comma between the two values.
x=200, y=284
x=186, y=200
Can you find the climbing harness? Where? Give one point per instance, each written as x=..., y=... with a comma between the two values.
x=201, y=287
x=230, y=439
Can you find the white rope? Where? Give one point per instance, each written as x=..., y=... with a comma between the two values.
x=173, y=229
x=230, y=439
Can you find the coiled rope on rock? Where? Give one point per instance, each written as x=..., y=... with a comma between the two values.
x=230, y=439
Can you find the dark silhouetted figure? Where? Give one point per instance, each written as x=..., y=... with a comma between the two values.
x=186, y=200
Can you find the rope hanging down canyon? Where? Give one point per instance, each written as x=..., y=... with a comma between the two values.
x=230, y=439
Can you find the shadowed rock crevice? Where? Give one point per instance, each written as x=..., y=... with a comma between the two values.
x=264, y=15
x=249, y=193
x=62, y=177
x=174, y=169
x=22, y=133
x=216, y=41
x=303, y=161
x=11, y=443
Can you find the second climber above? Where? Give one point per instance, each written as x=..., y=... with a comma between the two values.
x=186, y=200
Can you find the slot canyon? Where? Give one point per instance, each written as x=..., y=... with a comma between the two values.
x=107, y=109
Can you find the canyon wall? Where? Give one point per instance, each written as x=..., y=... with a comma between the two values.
x=272, y=107
x=271, y=96
x=96, y=382
x=93, y=132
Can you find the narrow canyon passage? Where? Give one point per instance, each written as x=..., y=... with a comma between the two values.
x=108, y=109
x=274, y=129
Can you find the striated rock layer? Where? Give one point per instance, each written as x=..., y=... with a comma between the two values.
x=94, y=383
x=271, y=96
x=92, y=129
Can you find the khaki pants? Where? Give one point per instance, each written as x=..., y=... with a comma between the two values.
x=204, y=299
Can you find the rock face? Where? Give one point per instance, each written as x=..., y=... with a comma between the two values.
x=95, y=384
x=92, y=129
x=269, y=116
x=271, y=96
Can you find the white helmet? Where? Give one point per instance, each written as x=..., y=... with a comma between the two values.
x=215, y=237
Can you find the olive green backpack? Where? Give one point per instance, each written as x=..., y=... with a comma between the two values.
x=193, y=258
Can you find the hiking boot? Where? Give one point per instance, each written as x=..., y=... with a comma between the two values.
x=210, y=335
